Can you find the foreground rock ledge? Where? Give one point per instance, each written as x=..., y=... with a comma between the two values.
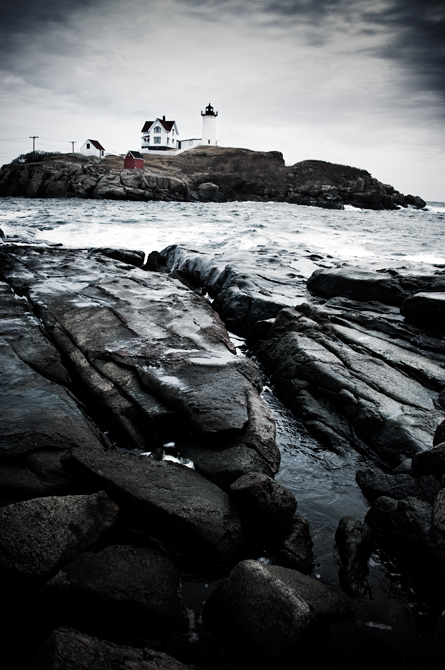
x=149, y=356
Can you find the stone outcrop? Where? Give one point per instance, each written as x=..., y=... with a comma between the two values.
x=216, y=174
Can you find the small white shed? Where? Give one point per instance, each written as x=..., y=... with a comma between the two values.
x=92, y=148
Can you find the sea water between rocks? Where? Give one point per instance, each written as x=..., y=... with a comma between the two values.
x=290, y=238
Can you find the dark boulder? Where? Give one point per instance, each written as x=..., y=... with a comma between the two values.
x=39, y=536
x=425, y=309
x=294, y=549
x=120, y=590
x=129, y=256
x=372, y=200
x=356, y=284
x=225, y=465
x=389, y=287
x=68, y=649
x=263, y=613
x=155, y=262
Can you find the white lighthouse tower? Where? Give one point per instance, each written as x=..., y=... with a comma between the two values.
x=209, y=125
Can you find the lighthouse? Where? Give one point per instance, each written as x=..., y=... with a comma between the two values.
x=209, y=125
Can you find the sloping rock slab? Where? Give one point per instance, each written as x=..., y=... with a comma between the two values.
x=39, y=536
x=167, y=499
x=120, y=589
x=67, y=649
x=351, y=386
x=149, y=354
x=263, y=612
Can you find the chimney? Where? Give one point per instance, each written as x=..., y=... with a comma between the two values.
x=163, y=118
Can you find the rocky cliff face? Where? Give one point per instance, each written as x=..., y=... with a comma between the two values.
x=214, y=175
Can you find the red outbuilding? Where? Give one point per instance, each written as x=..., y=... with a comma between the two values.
x=133, y=159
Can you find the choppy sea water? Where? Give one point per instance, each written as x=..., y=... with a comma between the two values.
x=355, y=235
x=323, y=482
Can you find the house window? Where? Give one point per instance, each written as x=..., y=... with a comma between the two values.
x=208, y=141
x=88, y=145
x=158, y=129
x=173, y=131
x=173, y=141
x=157, y=140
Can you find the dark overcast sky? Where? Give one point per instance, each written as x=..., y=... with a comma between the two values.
x=349, y=81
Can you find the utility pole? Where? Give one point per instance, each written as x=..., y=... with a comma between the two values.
x=33, y=138
x=73, y=143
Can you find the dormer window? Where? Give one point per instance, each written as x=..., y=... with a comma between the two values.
x=157, y=129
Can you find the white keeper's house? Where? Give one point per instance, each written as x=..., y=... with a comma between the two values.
x=161, y=135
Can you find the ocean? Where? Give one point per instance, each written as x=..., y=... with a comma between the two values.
x=322, y=481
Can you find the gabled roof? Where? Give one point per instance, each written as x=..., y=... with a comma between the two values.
x=135, y=154
x=168, y=125
x=96, y=144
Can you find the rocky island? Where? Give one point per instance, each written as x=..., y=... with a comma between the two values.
x=138, y=457
x=209, y=174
